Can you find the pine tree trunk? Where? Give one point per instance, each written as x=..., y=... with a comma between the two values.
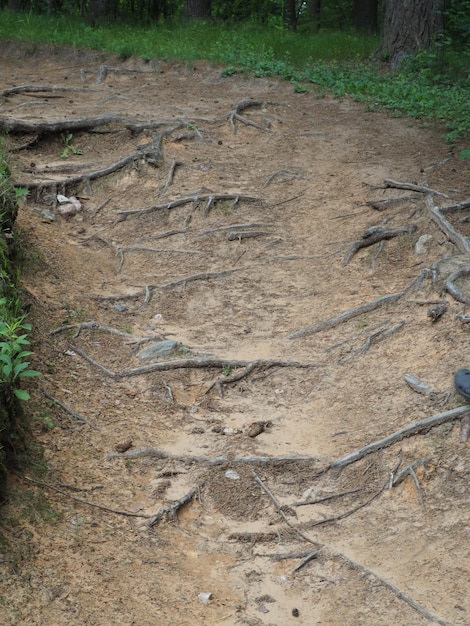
x=364, y=15
x=409, y=26
x=197, y=9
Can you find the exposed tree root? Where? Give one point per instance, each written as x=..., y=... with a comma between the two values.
x=451, y=287
x=235, y=114
x=374, y=235
x=169, y=512
x=208, y=200
x=38, y=89
x=454, y=236
x=411, y=187
x=347, y=315
x=420, y=426
x=68, y=410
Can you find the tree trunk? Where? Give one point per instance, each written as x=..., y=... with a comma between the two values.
x=97, y=10
x=315, y=9
x=290, y=14
x=364, y=15
x=409, y=26
x=197, y=9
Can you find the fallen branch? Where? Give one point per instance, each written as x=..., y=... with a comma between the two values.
x=171, y=510
x=454, y=236
x=68, y=410
x=374, y=235
x=167, y=206
x=421, y=426
x=411, y=187
x=409, y=470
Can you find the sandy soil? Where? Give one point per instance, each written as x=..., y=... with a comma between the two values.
x=302, y=168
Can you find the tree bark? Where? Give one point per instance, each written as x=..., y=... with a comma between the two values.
x=290, y=14
x=364, y=15
x=409, y=26
x=197, y=9
x=314, y=10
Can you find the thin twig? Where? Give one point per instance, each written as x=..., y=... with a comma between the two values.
x=374, y=235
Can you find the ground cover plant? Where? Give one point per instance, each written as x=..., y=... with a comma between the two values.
x=433, y=86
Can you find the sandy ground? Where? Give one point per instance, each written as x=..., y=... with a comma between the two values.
x=270, y=203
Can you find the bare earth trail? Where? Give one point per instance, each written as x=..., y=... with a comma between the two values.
x=250, y=213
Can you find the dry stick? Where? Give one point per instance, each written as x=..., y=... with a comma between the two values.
x=68, y=410
x=123, y=215
x=450, y=286
x=347, y=315
x=171, y=510
x=395, y=590
x=174, y=283
x=412, y=429
x=329, y=497
x=82, y=501
x=374, y=235
x=421, y=189
x=455, y=237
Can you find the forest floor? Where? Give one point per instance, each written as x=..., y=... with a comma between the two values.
x=172, y=492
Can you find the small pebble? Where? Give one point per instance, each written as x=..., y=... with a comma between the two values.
x=295, y=612
x=120, y=308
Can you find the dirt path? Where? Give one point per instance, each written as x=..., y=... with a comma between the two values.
x=229, y=279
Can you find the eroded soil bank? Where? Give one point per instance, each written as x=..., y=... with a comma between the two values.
x=253, y=195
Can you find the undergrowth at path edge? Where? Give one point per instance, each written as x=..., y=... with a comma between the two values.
x=433, y=87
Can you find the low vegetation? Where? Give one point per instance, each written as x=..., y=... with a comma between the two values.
x=433, y=86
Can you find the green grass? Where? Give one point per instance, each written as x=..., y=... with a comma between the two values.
x=434, y=87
